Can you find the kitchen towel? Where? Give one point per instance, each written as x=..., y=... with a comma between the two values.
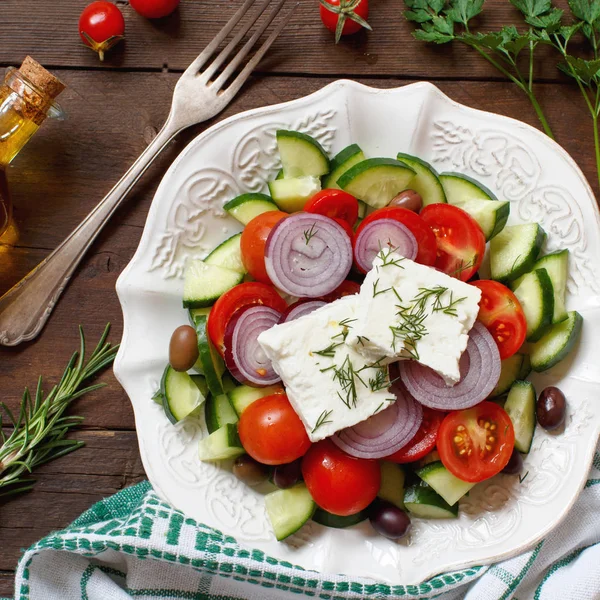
x=135, y=545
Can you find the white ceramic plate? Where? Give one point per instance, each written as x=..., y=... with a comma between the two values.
x=499, y=518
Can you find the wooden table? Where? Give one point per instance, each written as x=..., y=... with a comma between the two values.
x=114, y=109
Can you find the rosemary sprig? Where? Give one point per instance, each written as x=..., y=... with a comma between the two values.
x=322, y=420
x=39, y=431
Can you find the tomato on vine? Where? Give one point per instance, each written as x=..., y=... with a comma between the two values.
x=345, y=17
x=101, y=26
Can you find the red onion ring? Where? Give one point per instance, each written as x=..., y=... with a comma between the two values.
x=383, y=433
x=308, y=255
x=479, y=374
x=244, y=357
x=383, y=233
x=300, y=308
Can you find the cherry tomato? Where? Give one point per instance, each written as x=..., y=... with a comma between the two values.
x=476, y=443
x=344, y=225
x=271, y=431
x=341, y=9
x=424, y=441
x=460, y=241
x=244, y=294
x=253, y=242
x=335, y=204
x=501, y=312
x=154, y=9
x=101, y=26
x=346, y=288
x=338, y=482
x=427, y=250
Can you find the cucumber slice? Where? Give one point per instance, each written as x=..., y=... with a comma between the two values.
x=291, y=195
x=376, y=181
x=520, y=407
x=536, y=296
x=422, y=501
x=341, y=163
x=228, y=255
x=459, y=188
x=392, y=483
x=205, y=283
x=195, y=312
x=514, y=251
x=362, y=209
x=301, y=155
x=449, y=487
x=322, y=517
x=279, y=174
x=180, y=394
x=557, y=343
x=426, y=183
x=247, y=206
x=510, y=369
x=557, y=265
x=525, y=367
x=222, y=444
x=478, y=201
x=200, y=382
x=209, y=358
x=243, y=396
x=218, y=410
x=289, y=509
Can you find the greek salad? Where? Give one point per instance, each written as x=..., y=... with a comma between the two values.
x=346, y=352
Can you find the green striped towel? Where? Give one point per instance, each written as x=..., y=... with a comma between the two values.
x=135, y=545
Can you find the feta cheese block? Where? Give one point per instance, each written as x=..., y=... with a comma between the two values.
x=329, y=384
x=411, y=311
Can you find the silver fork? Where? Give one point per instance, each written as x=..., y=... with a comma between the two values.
x=25, y=308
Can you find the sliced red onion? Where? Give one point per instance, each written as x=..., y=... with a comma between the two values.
x=300, y=308
x=383, y=433
x=383, y=233
x=308, y=255
x=479, y=374
x=244, y=357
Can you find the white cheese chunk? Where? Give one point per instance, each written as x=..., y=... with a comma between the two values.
x=330, y=385
x=407, y=310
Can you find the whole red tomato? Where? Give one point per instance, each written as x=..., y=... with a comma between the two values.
x=154, y=9
x=271, y=431
x=101, y=26
x=341, y=17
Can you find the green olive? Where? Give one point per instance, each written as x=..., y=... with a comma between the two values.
x=183, y=348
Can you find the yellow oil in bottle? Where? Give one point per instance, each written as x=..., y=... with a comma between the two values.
x=15, y=127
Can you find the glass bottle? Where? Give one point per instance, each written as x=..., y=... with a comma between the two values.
x=26, y=98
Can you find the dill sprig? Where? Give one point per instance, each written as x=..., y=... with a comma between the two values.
x=322, y=420
x=38, y=433
x=310, y=233
x=347, y=376
x=376, y=292
x=388, y=260
x=329, y=351
x=380, y=381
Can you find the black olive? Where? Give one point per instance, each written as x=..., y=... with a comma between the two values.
x=551, y=408
x=183, y=348
x=285, y=476
x=514, y=464
x=250, y=471
x=388, y=520
x=408, y=199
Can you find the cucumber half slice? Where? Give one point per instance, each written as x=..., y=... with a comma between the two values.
x=209, y=358
x=242, y=396
x=228, y=255
x=301, y=155
x=557, y=343
x=423, y=501
x=459, y=188
x=557, y=265
x=247, y=206
x=536, y=296
x=392, y=483
x=449, y=487
x=377, y=180
x=510, y=369
x=322, y=517
x=292, y=194
x=514, y=251
x=222, y=444
x=219, y=412
x=341, y=163
x=204, y=283
x=520, y=407
x=289, y=509
x=426, y=182
x=180, y=394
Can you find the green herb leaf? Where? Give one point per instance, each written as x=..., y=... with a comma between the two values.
x=462, y=11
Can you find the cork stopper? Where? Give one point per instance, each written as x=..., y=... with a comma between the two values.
x=42, y=79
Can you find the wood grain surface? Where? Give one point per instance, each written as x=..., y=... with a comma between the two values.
x=113, y=110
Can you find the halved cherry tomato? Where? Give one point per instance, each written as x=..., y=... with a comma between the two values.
x=346, y=288
x=501, y=312
x=476, y=443
x=335, y=204
x=271, y=431
x=253, y=242
x=424, y=441
x=460, y=241
x=425, y=239
x=339, y=483
x=344, y=225
x=244, y=294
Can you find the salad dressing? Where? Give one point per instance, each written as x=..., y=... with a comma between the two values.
x=26, y=98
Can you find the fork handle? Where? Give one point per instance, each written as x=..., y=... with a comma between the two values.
x=25, y=308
